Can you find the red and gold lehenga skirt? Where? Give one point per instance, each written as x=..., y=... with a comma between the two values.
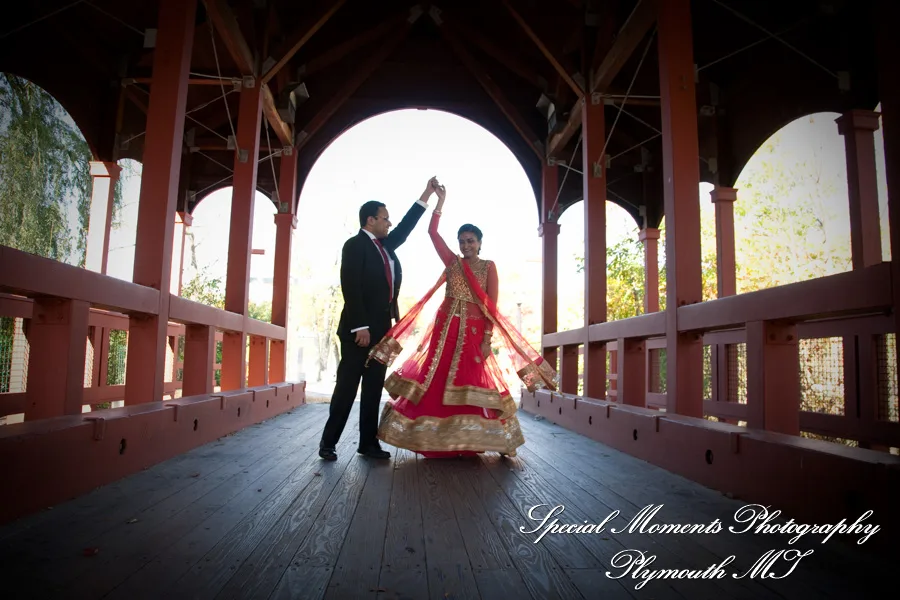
x=448, y=399
x=454, y=402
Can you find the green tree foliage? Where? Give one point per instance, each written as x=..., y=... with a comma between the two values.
x=44, y=169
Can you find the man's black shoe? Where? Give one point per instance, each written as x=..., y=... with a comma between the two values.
x=374, y=452
x=327, y=453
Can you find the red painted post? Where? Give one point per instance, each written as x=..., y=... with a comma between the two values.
x=649, y=236
x=569, y=370
x=773, y=377
x=594, y=181
x=57, y=335
x=549, y=232
x=724, y=199
x=159, y=189
x=183, y=221
x=858, y=128
x=681, y=180
x=237, y=285
x=259, y=361
x=199, y=356
x=285, y=224
x=104, y=176
x=631, y=359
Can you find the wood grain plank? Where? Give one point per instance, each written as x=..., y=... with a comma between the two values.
x=568, y=550
x=484, y=547
x=127, y=548
x=404, y=541
x=318, y=553
x=622, y=479
x=502, y=583
x=540, y=572
x=301, y=488
x=171, y=485
x=176, y=560
x=262, y=570
x=448, y=566
x=358, y=567
x=582, y=506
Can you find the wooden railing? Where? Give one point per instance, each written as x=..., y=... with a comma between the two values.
x=113, y=303
x=852, y=306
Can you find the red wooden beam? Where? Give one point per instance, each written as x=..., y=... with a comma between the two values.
x=495, y=51
x=226, y=24
x=229, y=30
x=636, y=27
x=336, y=53
x=634, y=30
x=299, y=38
x=544, y=50
x=352, y=83
x=493, y=90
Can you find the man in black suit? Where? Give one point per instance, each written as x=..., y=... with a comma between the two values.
x=370, y=283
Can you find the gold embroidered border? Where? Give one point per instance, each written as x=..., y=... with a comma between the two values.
x=439, y=351
x=534, y=376
x=457, y=351
x=386, y=351
x=471, y=395
x=458, y=433
x=398, y=386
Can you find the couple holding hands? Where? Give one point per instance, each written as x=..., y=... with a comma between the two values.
x=449, y=397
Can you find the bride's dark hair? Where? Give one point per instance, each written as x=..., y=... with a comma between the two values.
x=469, y=228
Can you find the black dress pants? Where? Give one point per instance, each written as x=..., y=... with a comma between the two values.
x=350, y=371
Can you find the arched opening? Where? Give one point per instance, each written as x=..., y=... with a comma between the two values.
x=792, y=210
x=205, y=273
x=45, y=178
x=390, y=158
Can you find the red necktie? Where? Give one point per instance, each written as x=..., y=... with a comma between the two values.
x=387, y=270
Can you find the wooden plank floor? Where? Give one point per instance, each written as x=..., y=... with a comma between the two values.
x=258, y=515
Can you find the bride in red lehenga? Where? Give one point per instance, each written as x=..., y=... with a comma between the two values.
x=450, y=396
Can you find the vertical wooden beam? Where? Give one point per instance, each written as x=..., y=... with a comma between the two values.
x=858, y=128
x=159, y=190
x=649, y=236
x=104, y=176
x=773, y=377
x=887, y=15
x=96, y=334
x=681, y=180
x=569, y=370
x=549, y=232
x=199, y=356
x=724, y=199
x=183, y=220
x=631, y=358
x=237, y=285
x=57, y=335
x=285, y=224
x=594, y=190
x=259, y=361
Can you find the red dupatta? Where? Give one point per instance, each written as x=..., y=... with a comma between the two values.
x=529, y=366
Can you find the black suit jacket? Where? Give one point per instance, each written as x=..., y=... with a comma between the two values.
x=363, y=282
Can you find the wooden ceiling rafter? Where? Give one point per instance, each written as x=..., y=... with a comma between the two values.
x=490, y=87
x=298, y=39
x=642, y=18
x=579, y=93
x=352, y=83
x=226, y=24
x=340, y=51
x=498, y=53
